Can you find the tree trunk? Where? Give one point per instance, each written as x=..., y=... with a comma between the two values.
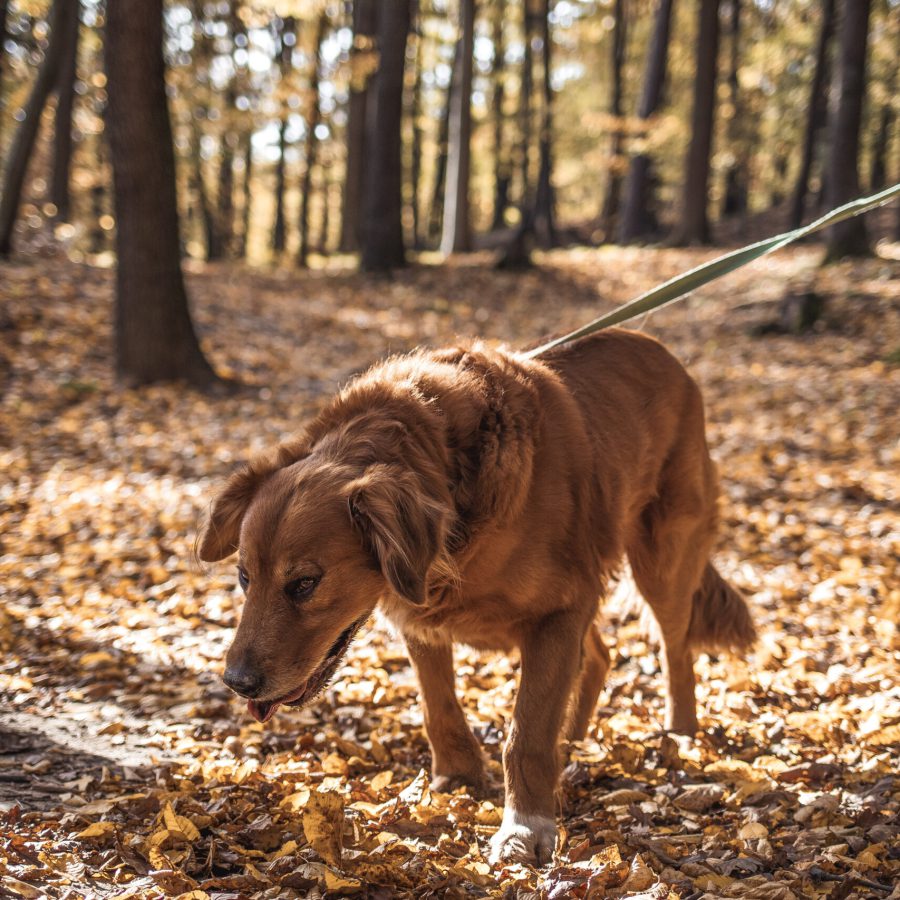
x=60, y=193
x=246, y=194
x=457, y=236
x=638, y=218
x=545, y=196
x=207, y=217
x=436, y=219
x=816, y=113
x=361, y=64
x=154, y=335
x=61, y=15
x=878, y=170
x=502, y=173
x=694, y=225
x=848, y=238
x=4, y=8
x=526, y=79
x=382, y=237
x=323, y=244
x=614, y=183
x=734, y=202
x=279, y=230
x=415, y=162
x=312, y=144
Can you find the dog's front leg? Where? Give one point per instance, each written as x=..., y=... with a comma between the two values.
x=455, y=754
x=550, y=663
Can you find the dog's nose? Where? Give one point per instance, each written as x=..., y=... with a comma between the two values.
x=246, y=682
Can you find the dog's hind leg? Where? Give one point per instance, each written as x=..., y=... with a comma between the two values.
x=594, y=666
x=669, y=551
x=455, y=753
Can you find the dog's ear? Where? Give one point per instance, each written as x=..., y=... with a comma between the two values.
x=400, y=524
x=222, y=533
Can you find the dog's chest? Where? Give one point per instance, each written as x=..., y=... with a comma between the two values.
x=486, y=623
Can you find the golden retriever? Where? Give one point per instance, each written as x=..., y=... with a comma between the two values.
x=484, y=497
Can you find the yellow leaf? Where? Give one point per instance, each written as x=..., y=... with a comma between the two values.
x=323, y=825
x=97, y=829
x=382, y=780
x=753, y=831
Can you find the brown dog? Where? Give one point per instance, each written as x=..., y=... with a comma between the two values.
x=483, y=497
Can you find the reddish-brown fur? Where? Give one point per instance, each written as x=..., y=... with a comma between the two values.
x=485, y=498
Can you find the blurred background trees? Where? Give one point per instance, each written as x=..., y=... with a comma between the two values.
x=305, y=129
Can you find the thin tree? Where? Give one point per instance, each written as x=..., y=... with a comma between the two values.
x=60, y=180
x=694, y=225
x=246, y=193
x=457, y=233
x=637, y=218
x=362, y=63
x=848, y=238
x=415, y=154
x=436, y=219
x=61, y=14
x=502, y=162
x=287, y=35
x=154, y=335
x=4, y=9
x=312, y=142
x=617, y=65
x=545, y=196
x=734, y=201
x=816, y=113
x=382, y=246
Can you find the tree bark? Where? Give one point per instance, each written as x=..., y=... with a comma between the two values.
x=457, y=234
x=637, y=218
x=361, y=56
x=415, y=162
x=4, y=8
x=311, y=145
x=734, y=202
x=60, y=188
x=154, y=335
x=246, y=194
x=61, y=15
x=816, y=113
x=611, y=199
x=502, y=173
x=279, y=229
x=848, y=238
x=694, y=225
x=545, y=196
x=436, y=219
x=285, y=54
x=526, y=79
x=211, y=237
x=382, y=238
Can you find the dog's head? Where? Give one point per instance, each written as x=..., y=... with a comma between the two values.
x=318, y=543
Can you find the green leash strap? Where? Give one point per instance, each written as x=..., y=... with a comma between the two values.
x=681, y=285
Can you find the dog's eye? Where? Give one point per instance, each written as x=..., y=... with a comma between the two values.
x=243, y=578
x=301, y=588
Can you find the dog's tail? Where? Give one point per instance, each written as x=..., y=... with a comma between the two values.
x=720, y=619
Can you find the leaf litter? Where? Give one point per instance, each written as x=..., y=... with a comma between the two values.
x=126, y=768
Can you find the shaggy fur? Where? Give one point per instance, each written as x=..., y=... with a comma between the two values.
x=483, y=497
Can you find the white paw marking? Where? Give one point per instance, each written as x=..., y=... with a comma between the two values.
x=523, y=838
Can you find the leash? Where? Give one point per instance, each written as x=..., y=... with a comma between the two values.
x=682, y=285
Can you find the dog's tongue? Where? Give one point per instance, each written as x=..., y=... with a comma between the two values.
x=262, y=710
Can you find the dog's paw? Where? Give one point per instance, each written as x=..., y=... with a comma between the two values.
x=475, y=782
x=523, y=838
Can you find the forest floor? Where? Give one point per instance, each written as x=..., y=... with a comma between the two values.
x=128, y=770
